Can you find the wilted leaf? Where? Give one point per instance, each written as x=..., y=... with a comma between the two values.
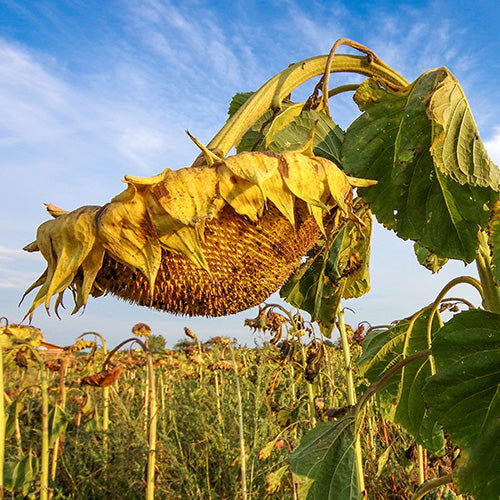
x=428, y=259
x=273, y=479
x=323, y=465
x=456, y=147
x=18, y=475
x=246, y=198
x=328, y=136
x=126, y=230
x=415, y=196
x=188, y=194
x=401, y=399
x=255, y=168
x=464, y=396
x=339, y=269
x=64, y=242
x=310, y=289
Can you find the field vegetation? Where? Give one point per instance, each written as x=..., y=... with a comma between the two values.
x=98, y=420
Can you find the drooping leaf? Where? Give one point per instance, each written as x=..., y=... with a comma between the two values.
x=127, y=232
x=464, y=396
x=245, y=197
x=328, y=136
x=64, y=242
x=456, y=147
x=19, y=474
x=312, y=290
x=323, y=465
x=401, y=399
x=428, y=259
x=354, y=259
x=58, y=421
x=255, y=168
x=188, y=194
x=415, y=195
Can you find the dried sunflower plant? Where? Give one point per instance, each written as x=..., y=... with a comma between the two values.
x=291, y=211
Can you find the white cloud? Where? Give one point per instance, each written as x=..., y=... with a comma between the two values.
x=141, y=145
x=493, y=146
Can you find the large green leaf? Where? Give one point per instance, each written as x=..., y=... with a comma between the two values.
x=401, y=399
x=323, y=465
x=464, y=396
x=420, y=195
x=456, y=147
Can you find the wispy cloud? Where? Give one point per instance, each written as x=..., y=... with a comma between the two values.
x=493, y=146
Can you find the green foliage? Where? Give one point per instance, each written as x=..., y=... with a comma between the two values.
x=156, y=342
x=328, y=136
x=464, y=396
x=337, y=269
x=415, y=194
x=428, y=259
x=323, y=465
x=21, y=473
x=401, y=399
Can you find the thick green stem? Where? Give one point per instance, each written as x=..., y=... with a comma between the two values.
x=351, y=400
x=275, y=90
x=491, y=292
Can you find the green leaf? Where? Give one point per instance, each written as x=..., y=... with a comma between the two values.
x=310, y=289
x=415, y=194
x=323, y=465
x=328, y=136
x=401, y=399
x=58, y=421
x=428, y=259
x=273, y=479
x=237, y=101
x=18, y=475
x=339, y=269
x=464, y=396
x=456, y=147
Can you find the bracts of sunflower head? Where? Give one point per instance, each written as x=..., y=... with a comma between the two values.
x=212, y=239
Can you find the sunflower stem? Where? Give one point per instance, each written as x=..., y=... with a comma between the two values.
x=351, y=400
x=275, y=90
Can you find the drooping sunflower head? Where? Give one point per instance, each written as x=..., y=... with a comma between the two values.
x=212, y=239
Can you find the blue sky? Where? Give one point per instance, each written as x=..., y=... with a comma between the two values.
x=92, y=90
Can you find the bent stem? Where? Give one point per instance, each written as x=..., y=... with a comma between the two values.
x=105, y=393
x=275, y=90
x=153, y=414
x=431, y=485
